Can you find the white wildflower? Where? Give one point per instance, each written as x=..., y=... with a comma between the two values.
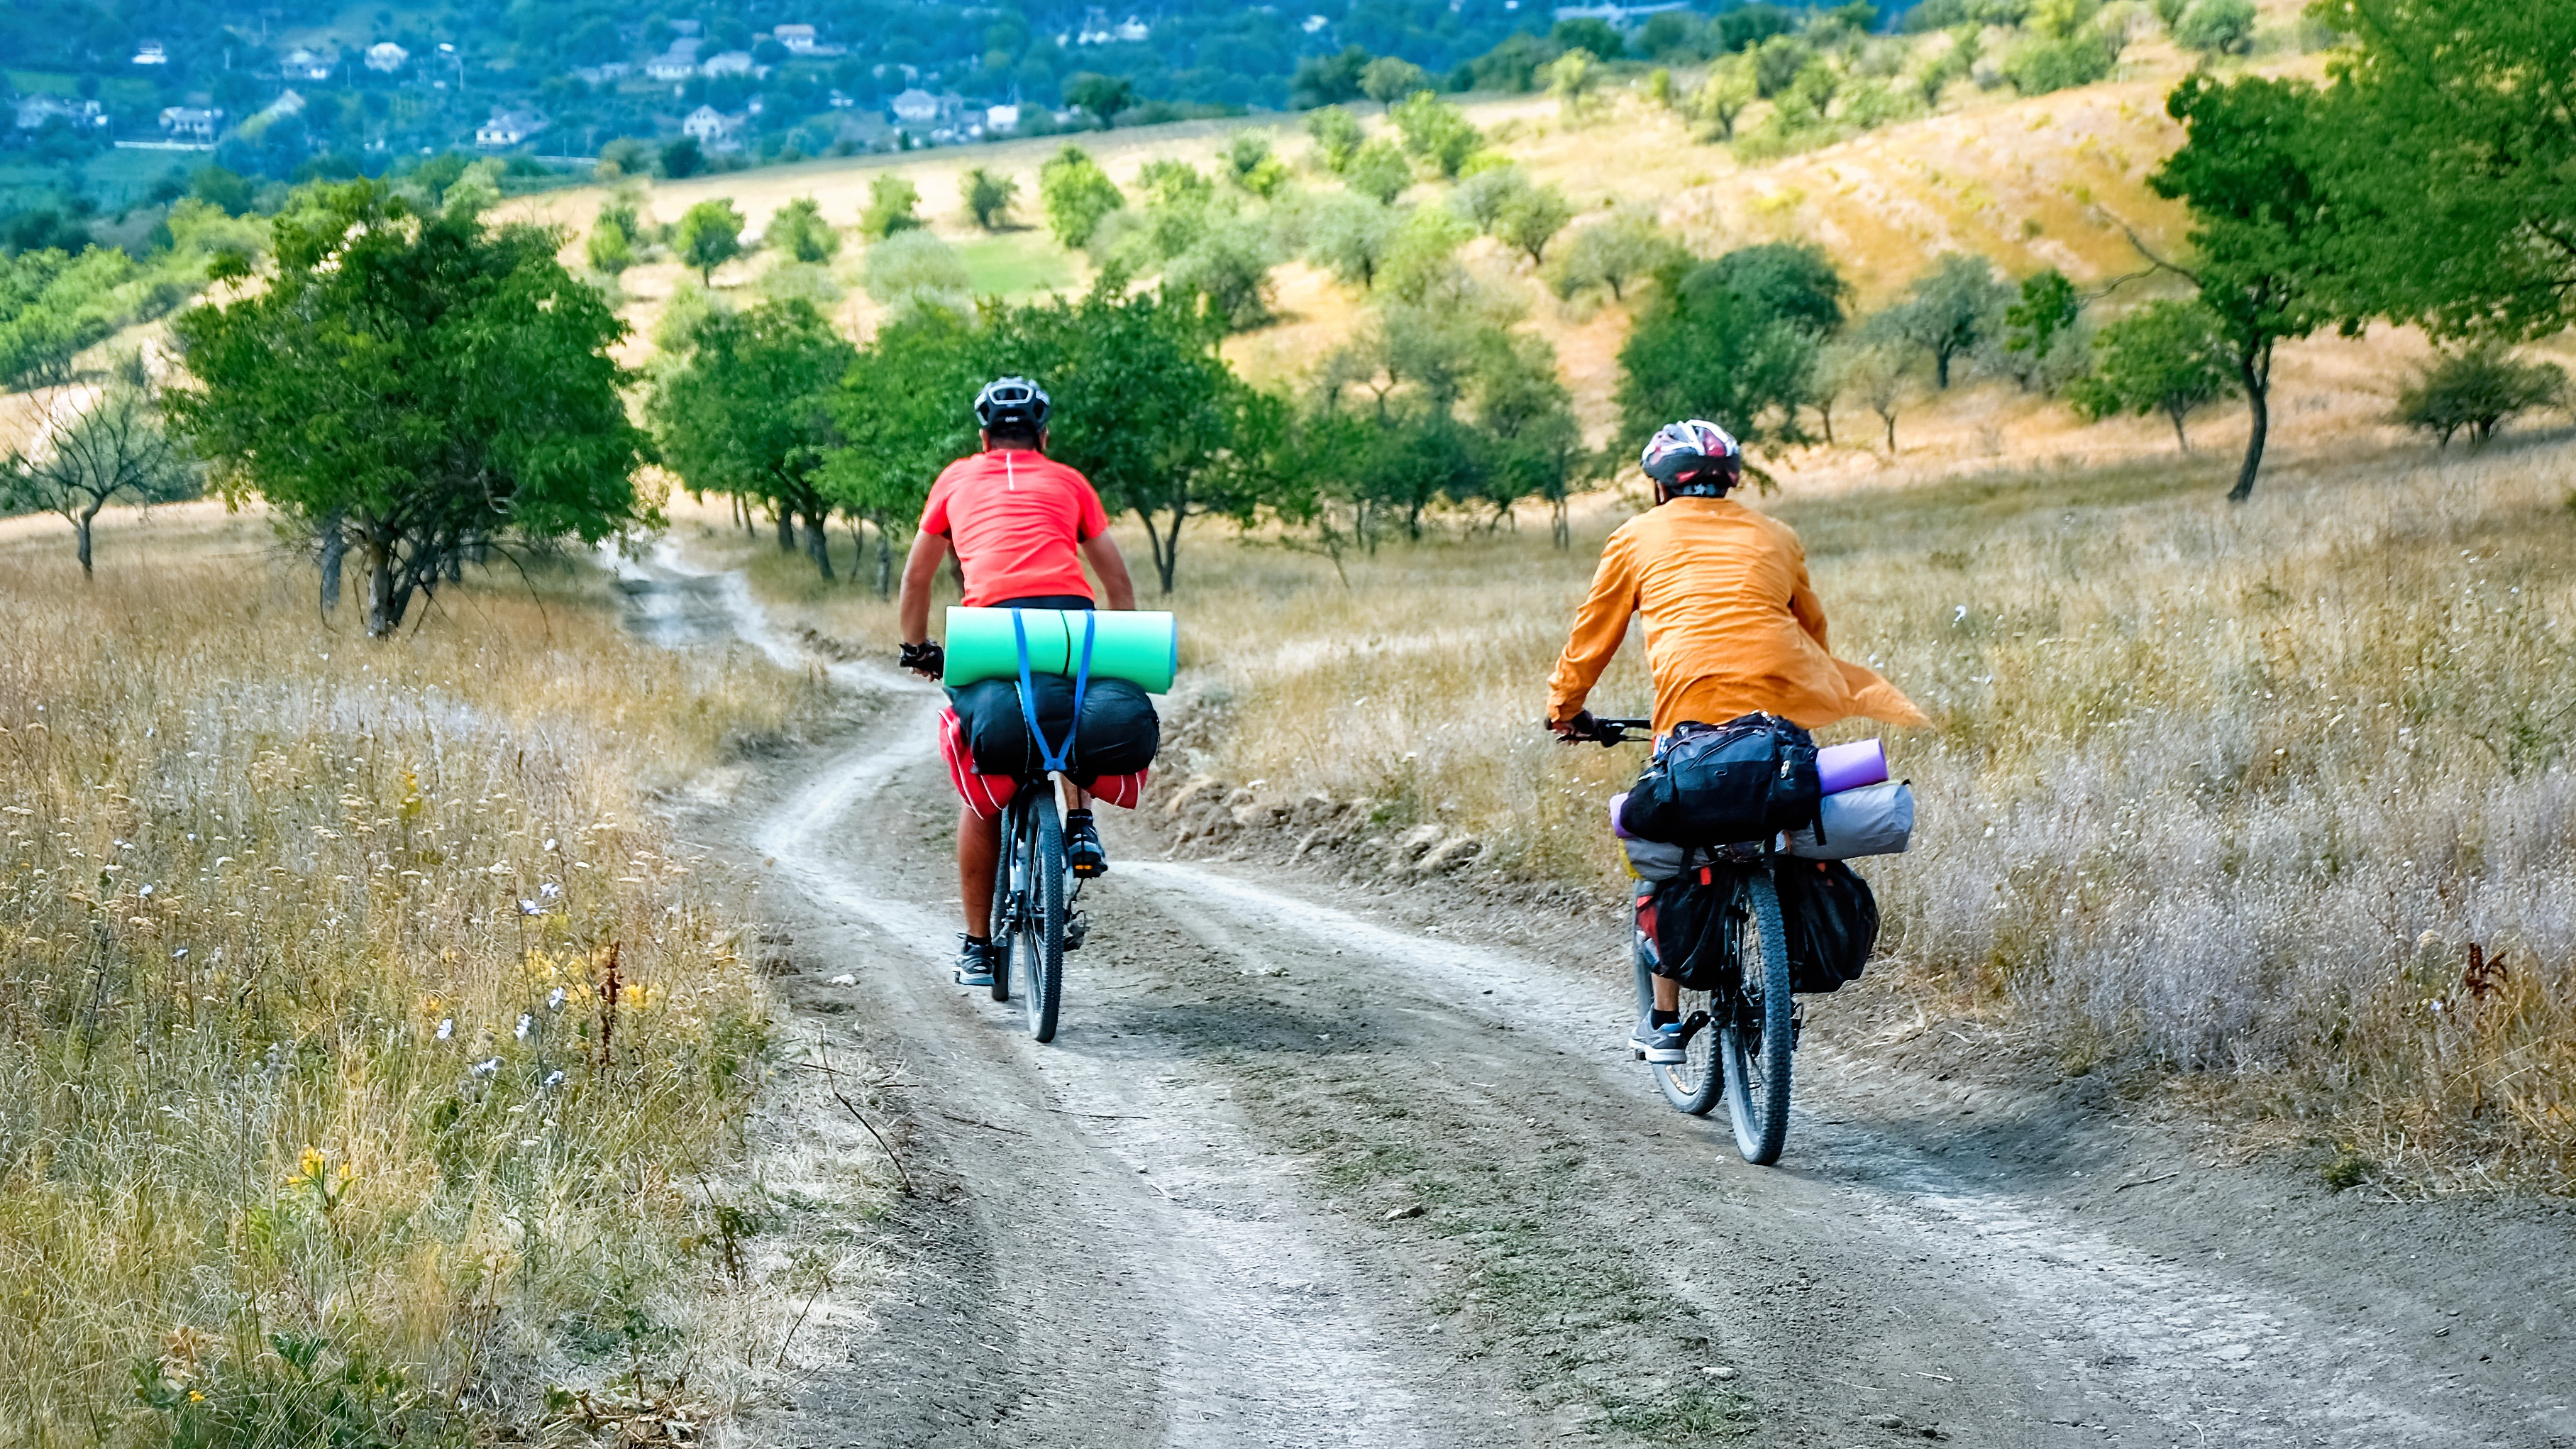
x=447, y=1028
x=486, y=1068
x=555, y=999
x=179, y=955
x=554, y=1079
x=526, y=1025
x=550, y=842
x=549, y=891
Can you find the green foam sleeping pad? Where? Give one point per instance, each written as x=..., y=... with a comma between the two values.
x=1139, y=646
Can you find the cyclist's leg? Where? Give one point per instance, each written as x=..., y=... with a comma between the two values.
x=979, y=851
x=1668, y=994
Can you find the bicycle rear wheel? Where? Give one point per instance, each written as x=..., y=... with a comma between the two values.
x=1695, y=1084
x=1757, y=1035
x=1040, y=951
x=1008, y=882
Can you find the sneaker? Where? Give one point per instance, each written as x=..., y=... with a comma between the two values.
x=1661, y=1045
x=1082, y=849
x=975, y=961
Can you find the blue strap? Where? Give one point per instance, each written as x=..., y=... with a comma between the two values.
x=1051, y=759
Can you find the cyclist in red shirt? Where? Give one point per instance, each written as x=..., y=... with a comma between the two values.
x=1021, y=525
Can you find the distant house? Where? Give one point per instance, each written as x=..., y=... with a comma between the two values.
x=302, y=64
x=799, y=39
x=190, y=123
x=1001, y=118
x=600, y=75
x=508, y=128
x=35, y=111
x=288, y=103
x=713, y=129
x=915, y=107
x=731, y=62
x=151, y=52
x=387, y=57
x=1619, y=16
x=676, y=64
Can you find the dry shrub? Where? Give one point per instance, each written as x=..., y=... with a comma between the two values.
x=364, y=1042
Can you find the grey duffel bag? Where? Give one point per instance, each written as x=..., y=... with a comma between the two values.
x=1872, y=820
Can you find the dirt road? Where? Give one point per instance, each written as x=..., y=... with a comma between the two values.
x=1295, y=1173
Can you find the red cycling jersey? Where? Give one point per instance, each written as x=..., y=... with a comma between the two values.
x=1017, y=520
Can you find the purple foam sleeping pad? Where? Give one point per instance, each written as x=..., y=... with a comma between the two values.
x=1851, y=766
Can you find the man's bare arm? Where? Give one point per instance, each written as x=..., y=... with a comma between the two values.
x=1111, y=565
x=920, y=567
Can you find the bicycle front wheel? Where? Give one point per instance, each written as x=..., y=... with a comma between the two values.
x=1695, y=1084
x=1040, y=950
x=1757, y=1035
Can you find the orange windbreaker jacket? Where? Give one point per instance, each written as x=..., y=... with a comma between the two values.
x=1732, y=625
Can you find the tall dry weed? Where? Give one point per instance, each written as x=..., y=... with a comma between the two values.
x=366, y=1046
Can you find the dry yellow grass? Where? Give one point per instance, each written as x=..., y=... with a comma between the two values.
x=356, y=1012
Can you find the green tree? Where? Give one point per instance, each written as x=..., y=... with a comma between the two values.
x=1776, y=63
x=1616, y=252
x=2265, y=234
x=2041, y=65
x=1327, y=80
x=744, y=411
x=1378, y=171
x=1954, y=307
x=2039, y=323
x=1531, y=219
x=1422, y=258
x=1076, y=194
x=1227, y=272
x=798, y=229
x=709, y=235
x=1387, y=79
x=2216, y=27
x=2477, y=388
x=1435, y=131
x=1103, y=96
x=914, y=272
x=1573, y=79
x=2169, y=357
x=1349, y=236
x=2448, y=145
x=682, y=158
x=1595, y=37
x=1483, y=192
x=53, y=306
x=1724, y=96
x=1709, y=353
x=610, y=247
x=894, y=204
x=902, y=412
x=1337, y=136
x=989, y=196
x=1251, y=166
x=1793, y=281
x=115, y=449
x=421, y=383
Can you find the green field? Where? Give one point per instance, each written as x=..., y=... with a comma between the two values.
x=1018, y=264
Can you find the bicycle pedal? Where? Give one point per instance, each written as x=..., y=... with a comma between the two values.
x=1637, y=1052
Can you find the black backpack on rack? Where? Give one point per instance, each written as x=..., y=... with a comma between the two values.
x=1830, y=921
x=1745, y=780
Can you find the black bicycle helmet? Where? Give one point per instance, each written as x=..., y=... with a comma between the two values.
x=1012, y=404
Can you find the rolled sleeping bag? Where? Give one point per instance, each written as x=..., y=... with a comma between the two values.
x=1851, y=766
x=1141, y=647
x=1872, y=820
x=1118, y=733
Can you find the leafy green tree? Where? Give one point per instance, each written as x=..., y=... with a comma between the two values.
x=608, y=248
x=1422, y=259
x=2039, y=323
x=423, y=384
x=1574, y=80
x=1590, y=34
x=682, y=158
x=2448, y=147
x=116, y=448
x=1328, y=80
x=1883, y=378
x=1227, y=271
x=1337, y=136
x=798, y=229
x=1103, y=96
x=1531, y=219
x=1776, y=64
x=2168, y=356
x=1793, y=281
x=744, y=411
x=2040, y=66
x=1709, y=353
x=1387, y=79
x=708, y=236
x=1378, y=171
x=1076, y=194
x=1349, y=236
x=1533, y=440
x=989, y=196
x=1616, y=252
x=914, y=272
x=1251, y=165
x=1954, y=307
x=1724, y=96
x=1435, y=132
x=894, y=204
x=54, y=306
x=2216, y=27
x=2266, y=237
x=1485, y=189
x=2477, y=389
x=902, y=412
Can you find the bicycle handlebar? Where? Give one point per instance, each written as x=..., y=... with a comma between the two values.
x=1609, y=732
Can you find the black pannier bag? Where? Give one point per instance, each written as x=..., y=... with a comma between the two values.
x=1690, y=929
x=1118, y=735
x=1831, y=920
x=1745, y=780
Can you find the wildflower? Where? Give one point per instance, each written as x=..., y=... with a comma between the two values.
x=554, y=998
x=550, y=842
x=526, y=1024
x=530, y=908
x=554, y=1079
x=486, y=1068
x=147, y=890
x=179, y=955
x=447, y=1028
x=549, y=890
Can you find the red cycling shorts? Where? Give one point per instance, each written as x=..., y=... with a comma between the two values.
x=987, y=794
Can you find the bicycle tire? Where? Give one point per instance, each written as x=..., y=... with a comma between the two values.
x=1042, y=929
x=1758, y=1034
x=1005, y=913
x=1698, y=1082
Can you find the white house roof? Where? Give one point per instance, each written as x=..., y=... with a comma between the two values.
x=915, y=104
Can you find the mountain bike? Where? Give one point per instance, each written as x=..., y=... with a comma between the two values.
x=1739, y=1032
x=1035, y=895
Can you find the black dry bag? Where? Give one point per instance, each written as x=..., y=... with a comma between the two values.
x=1830, y=920
x=1117, y=735
x=1745, y=780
